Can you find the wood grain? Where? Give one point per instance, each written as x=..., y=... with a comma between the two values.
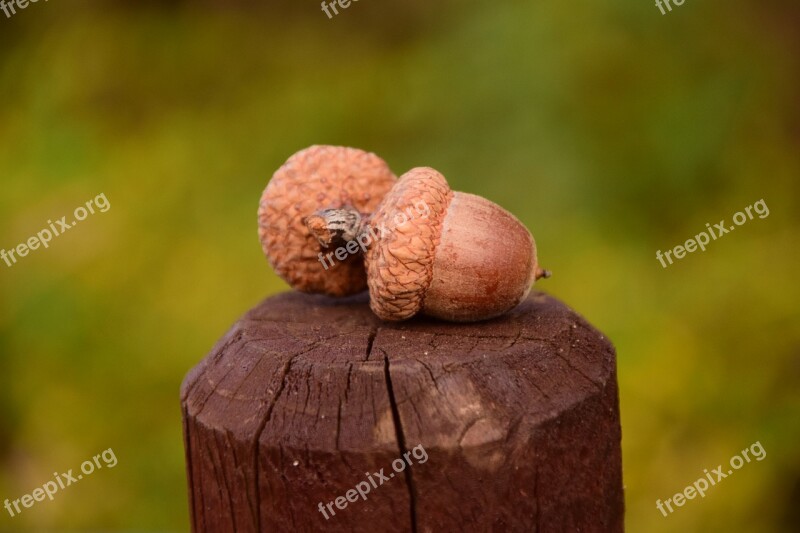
x=305, y=395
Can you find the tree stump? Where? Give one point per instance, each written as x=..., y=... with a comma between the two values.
x=307, y=397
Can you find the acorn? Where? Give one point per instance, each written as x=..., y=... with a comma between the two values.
x=313, y=180
x=468, y=260
x=335, y=220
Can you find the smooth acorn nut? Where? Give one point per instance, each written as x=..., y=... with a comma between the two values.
x=468, y=260
x=311, y=181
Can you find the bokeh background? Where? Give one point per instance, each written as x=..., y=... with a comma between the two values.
x=610, y=129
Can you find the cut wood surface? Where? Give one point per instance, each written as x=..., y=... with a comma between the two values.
x=306, y=395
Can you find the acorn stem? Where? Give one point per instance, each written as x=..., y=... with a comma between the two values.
x=542, y=273
x=332, y=227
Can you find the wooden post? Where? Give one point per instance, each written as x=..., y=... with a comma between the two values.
x=307, y=396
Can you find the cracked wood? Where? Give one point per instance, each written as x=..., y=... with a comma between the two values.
x=519, y=417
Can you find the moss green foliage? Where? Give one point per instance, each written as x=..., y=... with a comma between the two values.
x=611, y=130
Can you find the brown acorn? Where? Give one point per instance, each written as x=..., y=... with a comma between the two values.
x=468, y=260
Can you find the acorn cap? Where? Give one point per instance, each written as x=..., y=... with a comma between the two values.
x=400, y=264
x=314, y=179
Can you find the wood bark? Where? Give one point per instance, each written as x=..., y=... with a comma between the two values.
x=307, y=396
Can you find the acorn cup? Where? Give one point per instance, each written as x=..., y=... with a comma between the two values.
x=312, y=180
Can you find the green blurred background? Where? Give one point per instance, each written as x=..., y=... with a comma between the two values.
x=610, y=129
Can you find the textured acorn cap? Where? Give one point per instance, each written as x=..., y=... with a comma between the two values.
x=313, y=179
x=400, y=264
